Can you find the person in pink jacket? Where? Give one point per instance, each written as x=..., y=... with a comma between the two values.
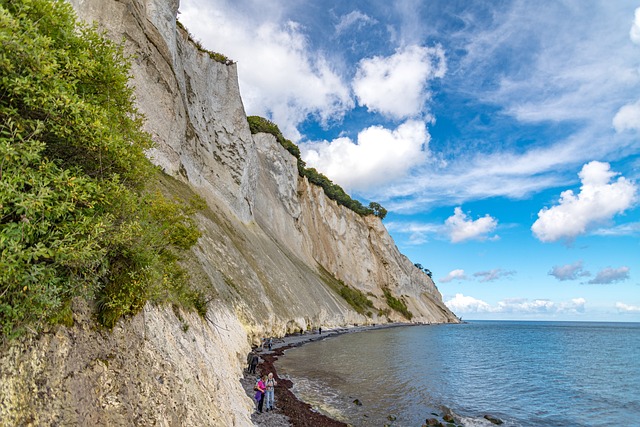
x=260, y=388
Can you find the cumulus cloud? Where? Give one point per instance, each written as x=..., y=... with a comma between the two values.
x=460, y=228
x=568, y=271
x=354, y=18
x=280, y=75
x=541, y=306
x=379, y=155
x=625, y=308
x=397, y=86
x=627, y=118
x=610, y=275
x=598, y=201
x=493, y=275
x=634, y=33
x=467, y=304
x=454, y=275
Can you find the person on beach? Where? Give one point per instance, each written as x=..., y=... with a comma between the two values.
x=320, y=330
x=249, y=359
x=270, y=343
x=254, y=363
x=260, y=388
x=270, y=385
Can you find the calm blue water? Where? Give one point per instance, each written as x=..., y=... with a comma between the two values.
x=525, y=373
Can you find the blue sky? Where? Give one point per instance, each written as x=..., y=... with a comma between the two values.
x=503, y=137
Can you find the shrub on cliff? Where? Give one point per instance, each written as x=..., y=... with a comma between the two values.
x=75, y=218
x=397, y=304
x=333, y=191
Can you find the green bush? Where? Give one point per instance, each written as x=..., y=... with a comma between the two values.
x=354, y=297
x=75, y=218
x=397, y=304
x=333, y=191
x=357, y=300
x=259, y=124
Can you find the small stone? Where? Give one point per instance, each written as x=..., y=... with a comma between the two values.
x=448, y=418
x=357, y=402
x=392, y=418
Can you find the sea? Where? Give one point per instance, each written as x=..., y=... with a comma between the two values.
x=525, y=373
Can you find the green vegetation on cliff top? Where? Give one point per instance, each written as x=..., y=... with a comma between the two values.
x=79, y=215
x=333, y=191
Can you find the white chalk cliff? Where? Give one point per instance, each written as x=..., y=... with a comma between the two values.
x=272, y=244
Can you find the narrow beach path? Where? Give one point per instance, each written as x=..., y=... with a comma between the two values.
x=289, y=410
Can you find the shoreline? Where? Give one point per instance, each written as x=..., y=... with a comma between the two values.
x=291, y=411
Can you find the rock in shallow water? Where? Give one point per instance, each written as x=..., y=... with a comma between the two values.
x=493, y=419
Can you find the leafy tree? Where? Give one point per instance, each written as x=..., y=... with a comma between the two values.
x=75, y=218
x=378, y=210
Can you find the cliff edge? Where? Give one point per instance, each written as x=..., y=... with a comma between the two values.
x=275, y=254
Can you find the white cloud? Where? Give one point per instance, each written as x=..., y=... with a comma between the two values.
x=418, y=232
x=456, y=228
x=568, y=271
x=280, y=76
x=610, y=275
x=354, y=18
x=397, y=86
x=622, y=307
x=628, y=229
x=379, y=156
x=460, y=228
x=541, y=306
x=598, y=201
x=466, y=304
x=453, y=275
x=567, y=79
x=461, y=304
x=493, y=275
x=634, y=33
x=627, y=118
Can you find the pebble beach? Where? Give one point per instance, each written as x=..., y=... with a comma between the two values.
x=290, y=411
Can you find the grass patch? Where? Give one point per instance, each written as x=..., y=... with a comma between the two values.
x=218, y=57
x=397, y=304
x=354, y=297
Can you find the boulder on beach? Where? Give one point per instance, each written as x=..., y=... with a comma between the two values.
x=493, y=419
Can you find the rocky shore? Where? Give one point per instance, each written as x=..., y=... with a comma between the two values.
x=290, y=411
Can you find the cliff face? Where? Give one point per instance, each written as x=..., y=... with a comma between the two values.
x=273, y=250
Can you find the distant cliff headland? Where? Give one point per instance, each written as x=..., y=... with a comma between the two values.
x=151, y=232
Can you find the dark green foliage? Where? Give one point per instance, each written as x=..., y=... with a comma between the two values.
x=354, y=297
x=397, y=304
x=75, y=218
x=259, y=124
x=378, y=210
x=426, y=270
x=357, y=300
x=333, y=191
